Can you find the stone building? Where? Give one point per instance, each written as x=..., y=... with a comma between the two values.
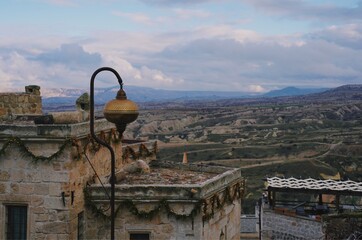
x=311, y=209
x=174, y=201
x=54, y=184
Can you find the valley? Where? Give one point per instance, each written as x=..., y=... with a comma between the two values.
x=286, y=137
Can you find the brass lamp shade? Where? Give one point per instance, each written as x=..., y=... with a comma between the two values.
x=121, y=111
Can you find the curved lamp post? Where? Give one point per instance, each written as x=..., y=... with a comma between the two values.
x=119, y=111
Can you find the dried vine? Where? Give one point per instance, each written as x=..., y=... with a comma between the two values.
x=129, y=152
x=75, y=143
x=25, y=150
x=215, y=201
x=90, y=205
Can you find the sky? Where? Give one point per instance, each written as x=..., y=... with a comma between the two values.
x=212, y=45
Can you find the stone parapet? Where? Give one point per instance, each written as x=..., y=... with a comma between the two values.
x=26, y=103
x=54, y=131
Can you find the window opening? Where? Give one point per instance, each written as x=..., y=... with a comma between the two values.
x=139, y=236
x=80, y=226
x=16, y=222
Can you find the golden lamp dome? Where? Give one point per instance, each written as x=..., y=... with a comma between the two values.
x=121, y=111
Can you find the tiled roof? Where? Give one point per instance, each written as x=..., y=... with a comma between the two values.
x=314, y=184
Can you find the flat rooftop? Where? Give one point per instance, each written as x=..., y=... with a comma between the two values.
x=172, y=181
x=167, y=176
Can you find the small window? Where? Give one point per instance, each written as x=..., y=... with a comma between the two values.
x=81, y=226
x=139, y=236
x=16, y=222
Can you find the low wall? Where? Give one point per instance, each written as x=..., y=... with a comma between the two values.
x=279, y=226
x=248, y=224
x=27, y=103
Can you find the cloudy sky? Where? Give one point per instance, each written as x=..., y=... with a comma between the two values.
x=232, y=45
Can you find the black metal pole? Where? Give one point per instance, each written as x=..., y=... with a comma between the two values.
x=100, y=141
x=260, y=206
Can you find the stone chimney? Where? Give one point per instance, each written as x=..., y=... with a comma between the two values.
x=32, y=89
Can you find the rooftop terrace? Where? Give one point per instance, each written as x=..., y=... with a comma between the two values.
x=174, y=181
x=167, y=176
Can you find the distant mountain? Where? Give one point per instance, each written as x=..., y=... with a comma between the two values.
x=293, y=91
x=352, y=92
x=149, y=97
x=61, y=92
x=145, y=94
x=137, y=94
x=346, y=93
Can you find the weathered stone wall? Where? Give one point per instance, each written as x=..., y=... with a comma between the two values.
x=41, y=185
x=27, y=103
x=160, y=227
x=206, y=210
x=248, y=224
x=225, y=224
x=81, y=172
x=279, y=226
x=37, y=185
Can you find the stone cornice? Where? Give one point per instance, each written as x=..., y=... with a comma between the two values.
x=52, y=131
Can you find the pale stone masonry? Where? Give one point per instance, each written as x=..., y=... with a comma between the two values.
x=188, y=204
x=26, y=103
x=47, y=180
x=52, y=189
x=279, y=226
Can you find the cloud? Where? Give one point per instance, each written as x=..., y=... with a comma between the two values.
x=60, y=2
x=140, y=18
x=217, y=57
x=174, y=2
x=141, y=76
x=169, y=18
x=223, y=58
x=226, y=32
x=72, y=55
x=349, y=35
x=190, y=13
x=70, y=66
x=300, y=9
x=229, y=64
x=256, y=88
x=21, y=71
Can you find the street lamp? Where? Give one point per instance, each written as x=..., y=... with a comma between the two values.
x=119, y=111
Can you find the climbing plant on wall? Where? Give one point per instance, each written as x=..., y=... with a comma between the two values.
x=25, y=150
x=76, y=143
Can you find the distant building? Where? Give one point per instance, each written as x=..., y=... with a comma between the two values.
x=49, y=189
x=311, y=209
